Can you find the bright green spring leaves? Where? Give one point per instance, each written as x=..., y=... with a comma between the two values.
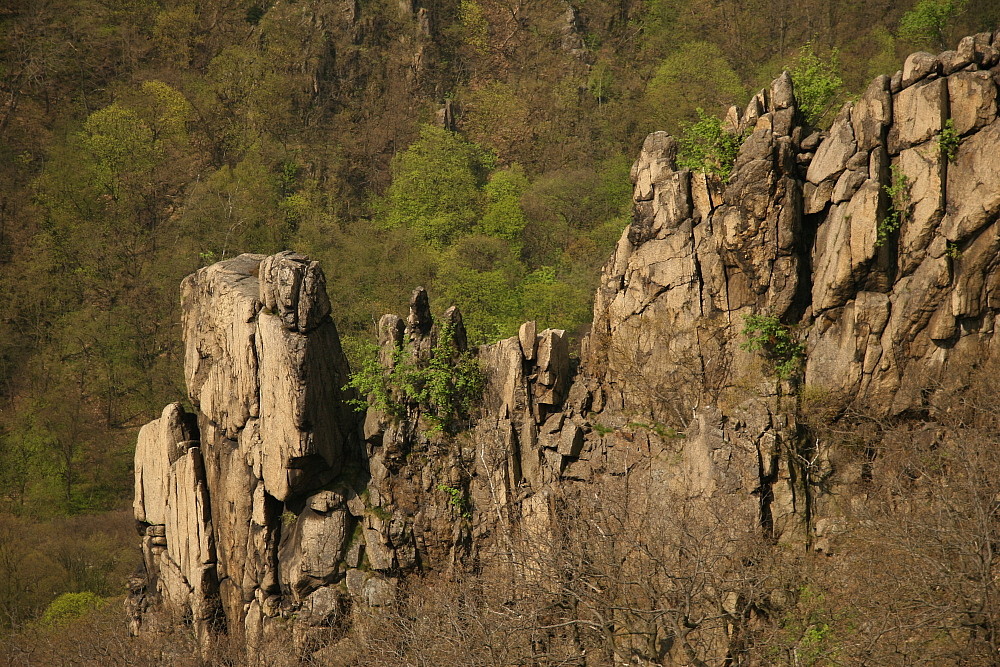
x=505, y=248
x=707, y=147
x=436, y=186
x=695, y=75
x=766, y=334
x=71, y=606
x=445, y=387
x=817, y=83
x=928, y=22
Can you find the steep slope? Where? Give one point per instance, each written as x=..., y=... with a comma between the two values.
x=853, y=269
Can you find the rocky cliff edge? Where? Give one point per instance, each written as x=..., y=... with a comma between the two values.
x=855, y=267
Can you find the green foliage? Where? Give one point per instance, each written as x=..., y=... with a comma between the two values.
x=948, y=140
x=503, y=216
x=241, y=208
x=450, y=385
x=695, y=76
x=817, y=83
x=373, y=383
x=288, y=519
x=497, y=115
x=446, y=387
x=475, y=26
x=601, y=82
x=457, y=499
x=167, y=111
x=928, y=22
x=482, y=274
x=121, y=144
x=381, y=513
x=952, y=250
x=706, y=147
x=172, y=33
x=435, y=186
x=806, y=634
x=71, y=606
x=899, y=200
x=766, y=333
x=554, y=300
x=601, y=429
x=883, y=58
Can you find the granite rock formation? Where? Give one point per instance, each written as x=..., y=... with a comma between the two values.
x=273, y=507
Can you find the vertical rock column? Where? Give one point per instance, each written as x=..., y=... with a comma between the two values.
x=667, y=340
x=172, y=510
x=265, y=371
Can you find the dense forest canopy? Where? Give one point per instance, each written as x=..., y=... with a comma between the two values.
x=478, y=147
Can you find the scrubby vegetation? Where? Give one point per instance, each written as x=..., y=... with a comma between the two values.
x=707, y=147
x=910, y=582
x=766, y=334
x=898, y=192
x=446, y=386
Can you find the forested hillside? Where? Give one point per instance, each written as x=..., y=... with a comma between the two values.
x=478, y=147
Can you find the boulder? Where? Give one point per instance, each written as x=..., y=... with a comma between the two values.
x=919, y=66
x=918, y=114
x=973, y=184
x=973, y=97
x=311, y=549
x=156, y=447
x=833, y=153
x=872, y=114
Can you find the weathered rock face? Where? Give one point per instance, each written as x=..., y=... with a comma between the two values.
x=265, y=373
x=870, y=250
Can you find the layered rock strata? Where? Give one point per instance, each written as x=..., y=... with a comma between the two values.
x=272, y=508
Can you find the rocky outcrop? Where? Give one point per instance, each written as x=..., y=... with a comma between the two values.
x=271, y=429
x=859, y=263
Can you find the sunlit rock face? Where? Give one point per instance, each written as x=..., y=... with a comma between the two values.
x=273, y=507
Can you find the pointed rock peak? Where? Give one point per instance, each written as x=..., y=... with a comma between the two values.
x=419, y=322
x=453, y=321
x=528, y=337
x=918, y=66
x=659, y=146
x=294, y=288
x=782, y=92
x=390, y=330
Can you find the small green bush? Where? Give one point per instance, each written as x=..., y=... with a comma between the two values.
x=899, y=198
x=817, y=83
x=71, y=606
x=457, y=499
x=601, y=429
x=706, y=147
x=447, y=387
x=948, y=140
x=767, y=334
